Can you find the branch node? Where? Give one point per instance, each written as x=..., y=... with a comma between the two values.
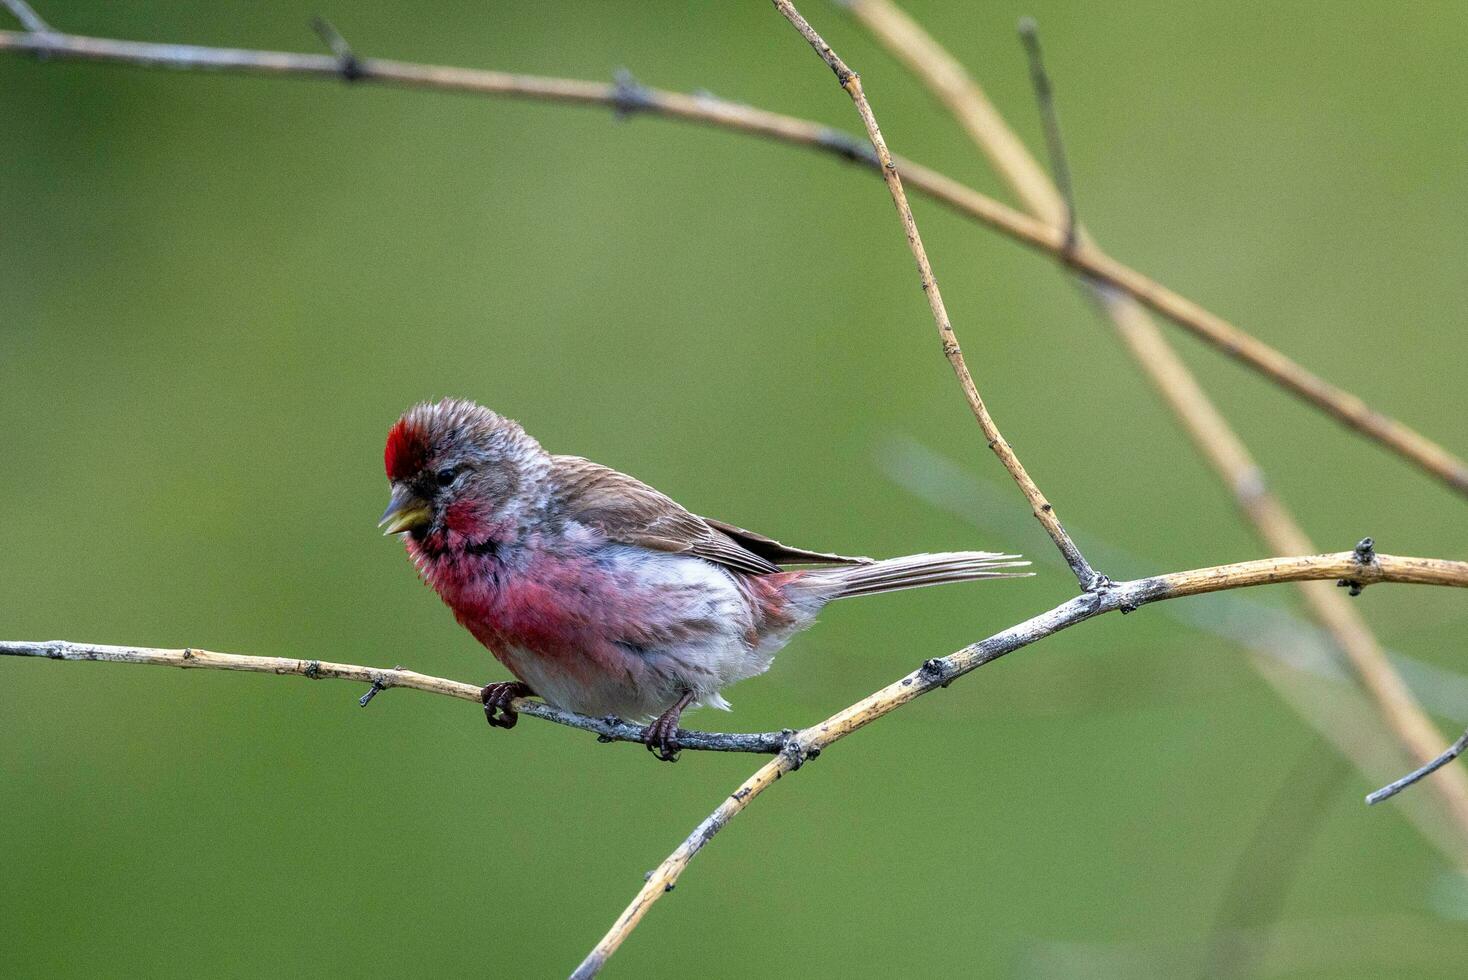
x=629, y=96
x=1365, y=555
x=795, y=752
x=1250, y=486
x=937, y=669
x=848, y=147
x=379, y=684
x=349, y=65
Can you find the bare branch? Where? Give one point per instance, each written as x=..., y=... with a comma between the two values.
x=381, y=678
x=347, y=64
x=1047, y=236
x=1210, y=432
x=1043, y=510
x=808, y=743
x=28, y=18
x=1448, y=755
x=1029, y=35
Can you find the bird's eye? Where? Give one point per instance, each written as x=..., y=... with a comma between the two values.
x=447, y=475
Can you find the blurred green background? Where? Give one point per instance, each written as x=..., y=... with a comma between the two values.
x=217, y=292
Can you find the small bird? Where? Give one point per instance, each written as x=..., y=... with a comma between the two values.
x=600, y=594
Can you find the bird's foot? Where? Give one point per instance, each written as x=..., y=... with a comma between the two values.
x=661, y=737
x=497, y=698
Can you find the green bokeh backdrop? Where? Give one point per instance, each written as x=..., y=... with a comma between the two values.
x=217, y=292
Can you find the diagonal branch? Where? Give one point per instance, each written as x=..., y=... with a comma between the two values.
x=381, y=678
x=1045, y=236
x=850, y=81
x=28, y=18
x=1448, y=755
x=808, y=743
x=1211, y=433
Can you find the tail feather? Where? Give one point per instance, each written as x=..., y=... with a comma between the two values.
x=915, y=571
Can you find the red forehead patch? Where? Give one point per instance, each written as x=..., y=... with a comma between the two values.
x=405, y=453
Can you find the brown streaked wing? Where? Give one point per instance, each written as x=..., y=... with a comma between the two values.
x=629, y=511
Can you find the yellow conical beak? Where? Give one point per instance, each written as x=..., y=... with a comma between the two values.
x=404, y=513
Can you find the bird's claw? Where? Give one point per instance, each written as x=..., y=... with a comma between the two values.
x=497, y=698
x=661, y=738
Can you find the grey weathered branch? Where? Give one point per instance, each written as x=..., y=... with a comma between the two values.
x=1448, y=755
x=382, y=678
x=28, y=18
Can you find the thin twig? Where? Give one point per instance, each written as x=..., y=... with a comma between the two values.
x=381, y=678
x=1451, y=753
x=28, y=18
x=1029, y=35
x=1047, y=236
x=348, y=65
x=1209, y=430
x=850, y=82
x=809, y=743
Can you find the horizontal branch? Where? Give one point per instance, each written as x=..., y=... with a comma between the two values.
x=809, y=743
x=382, y=678
x=628, y=97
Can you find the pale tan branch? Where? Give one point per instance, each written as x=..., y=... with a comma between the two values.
x=381, y=678
x=1210, y=432
x=850, y=82
x=1046, y=235
x=808, y=743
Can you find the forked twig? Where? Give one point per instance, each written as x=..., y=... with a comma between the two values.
x=1210, y=432
x=940, y=672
